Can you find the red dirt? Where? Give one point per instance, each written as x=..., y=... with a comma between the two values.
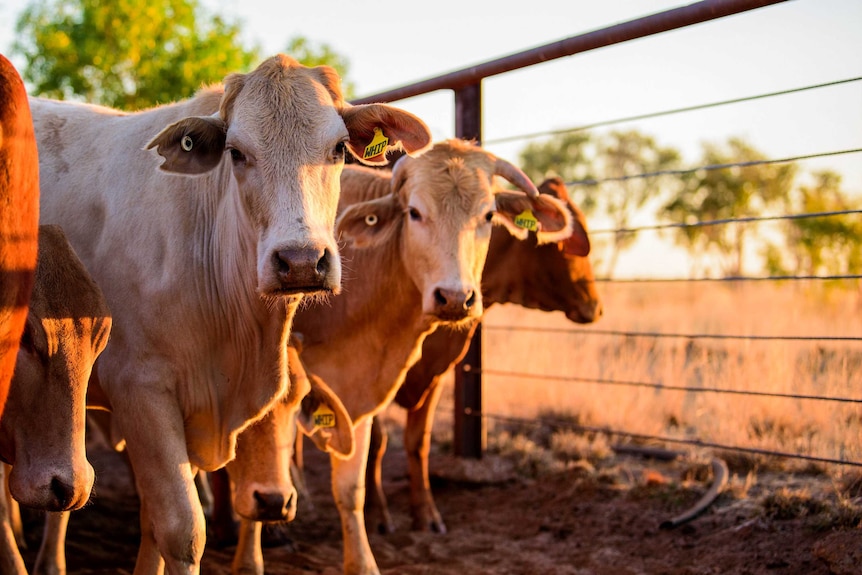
x=573, y=523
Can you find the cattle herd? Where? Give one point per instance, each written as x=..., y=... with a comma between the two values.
x=153, y=265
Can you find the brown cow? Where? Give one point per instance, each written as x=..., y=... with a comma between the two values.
x=67, y=328
x=549, y=277
x=19, y=217
x=420, y=237
x=204, y=248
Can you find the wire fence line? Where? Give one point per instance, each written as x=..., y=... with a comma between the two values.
x=733, y=279
x=665, y=387
x=654, y=334
x=560, y=423
x=724, y=221
x=680, y=172
x=651, y=115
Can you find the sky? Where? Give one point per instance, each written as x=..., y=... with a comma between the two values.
x=789, y=45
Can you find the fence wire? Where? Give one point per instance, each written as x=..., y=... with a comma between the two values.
x=594, y=182
x=666, y=387
x=655, y=334
x=651, y=115
x=724, y=221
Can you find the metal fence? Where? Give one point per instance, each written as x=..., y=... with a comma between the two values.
x=467, y=87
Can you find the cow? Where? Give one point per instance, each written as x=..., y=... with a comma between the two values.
x=418, y=241
x=548, y=277
x=204, y=248
x=261, y=473
x=19, y=217
x=68, y=326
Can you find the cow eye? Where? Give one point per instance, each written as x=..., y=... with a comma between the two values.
x=414, y=214
x=489, y=216
x=237, y=156
x=339, y=152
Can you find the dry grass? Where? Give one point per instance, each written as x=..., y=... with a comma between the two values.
x=818, y=428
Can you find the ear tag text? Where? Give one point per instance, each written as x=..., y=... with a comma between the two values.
x=527, y=220
x=377, y=146
x=323, y=417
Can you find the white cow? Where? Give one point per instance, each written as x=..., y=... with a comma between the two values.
x=205, y=260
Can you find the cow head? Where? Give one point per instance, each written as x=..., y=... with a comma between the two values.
x=42, y=432
x=553, y=276
x=264, y=489
x=442, y=206
x=284, y=130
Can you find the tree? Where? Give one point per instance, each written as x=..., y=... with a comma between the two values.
x=617, y=162
x=568, y=156
x=827, y=244
x=722, y=193
x=125, y=53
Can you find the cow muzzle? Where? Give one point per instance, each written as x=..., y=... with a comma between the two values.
x=306, y=270
x=456, y=304
x=52, y=490
x=274, y=506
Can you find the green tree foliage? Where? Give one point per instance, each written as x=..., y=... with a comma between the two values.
x=617, y=160
x=732, y=192
x=311, y=54
x=822, y=245
x=126, y=53
x=568, y=156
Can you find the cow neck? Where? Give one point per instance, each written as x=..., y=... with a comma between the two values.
x=247, y=335
x=363, y=342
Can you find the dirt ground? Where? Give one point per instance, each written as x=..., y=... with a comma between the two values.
x=578, y=522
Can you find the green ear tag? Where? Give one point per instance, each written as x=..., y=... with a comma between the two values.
x=377, y=146
x=527, y=220
x=323, y=417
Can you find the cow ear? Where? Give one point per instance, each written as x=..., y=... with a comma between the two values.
x=191, y=146
x=578, y=244
x=369, y=223
x=377, y=128
x=325, y=420
x=547, y=216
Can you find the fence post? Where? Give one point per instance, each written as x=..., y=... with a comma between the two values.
x=469, y=427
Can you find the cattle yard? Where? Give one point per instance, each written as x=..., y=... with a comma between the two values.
x=558, y=449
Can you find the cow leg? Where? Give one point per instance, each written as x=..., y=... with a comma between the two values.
x=14, y=512
x=348, y=487
x=417, y=443
x=173, y=529
x=11, y=561
x=248, y=557
x=376, y=509
x=51, y=559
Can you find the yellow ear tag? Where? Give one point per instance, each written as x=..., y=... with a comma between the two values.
x=323, y=417
x=377, y=146
x=527, y=220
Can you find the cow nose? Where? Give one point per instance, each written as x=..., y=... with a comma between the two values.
x=63, y=493
x=273, y=507
x=454, y=303
x=303, y=269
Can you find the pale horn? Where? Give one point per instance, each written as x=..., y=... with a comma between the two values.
x=516, y=176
